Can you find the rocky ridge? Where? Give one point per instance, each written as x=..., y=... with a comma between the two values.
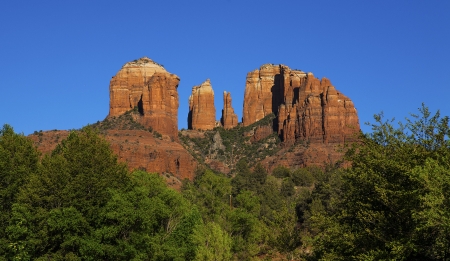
x=140, y=147
x=290, y=118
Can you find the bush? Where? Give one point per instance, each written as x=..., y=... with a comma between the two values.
x=302, y=177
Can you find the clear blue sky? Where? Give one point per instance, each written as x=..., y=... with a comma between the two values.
x=57, y=57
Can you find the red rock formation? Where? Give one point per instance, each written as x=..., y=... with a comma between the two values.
x=160, y=104
x=261, y=132
x=147, y=85
x=306, y=108
x=262, y=93
x=127, y=86
x=202, y=113
x=229, y=118
x=139, y=149
x=314, y=111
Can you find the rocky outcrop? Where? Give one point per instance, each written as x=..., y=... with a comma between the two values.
x=306, y=108
x=261, y=132
x=314, y=111
x=160, y=104
x=262, y=93
x=145, y=84
x=202, y=113
x=139, y=149
x=229, y=118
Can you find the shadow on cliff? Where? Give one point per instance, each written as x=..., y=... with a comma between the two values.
x=277, y=99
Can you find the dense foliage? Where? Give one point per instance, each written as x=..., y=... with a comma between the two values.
x=393, y=203
x=79, y=203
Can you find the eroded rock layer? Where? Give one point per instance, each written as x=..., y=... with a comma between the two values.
x=202, y=112
x=229, y=118
x=145, y=84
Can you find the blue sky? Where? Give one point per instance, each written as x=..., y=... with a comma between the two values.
x=57, y=57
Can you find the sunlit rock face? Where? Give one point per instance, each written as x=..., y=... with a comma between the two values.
x=145, y=84
x=306, y=108
x=202, y=112
x=262, y=93
x=229, y=118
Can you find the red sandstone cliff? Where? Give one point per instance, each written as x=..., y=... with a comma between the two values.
x=262, y=94
x=229, y=118
x=139, y=149
x=306, y=108
x=145, y=84
x=202, y=113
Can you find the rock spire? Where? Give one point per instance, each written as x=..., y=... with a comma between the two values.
x=229, y=118
x=202, y=113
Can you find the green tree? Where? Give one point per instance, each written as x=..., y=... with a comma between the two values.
x=213, y=243
x=391, y=195
x=149, y=221
x=247, y=230
x=281, y=172
x=211, y=193
x=58, y=209
x=433, y=214
x=18, y=160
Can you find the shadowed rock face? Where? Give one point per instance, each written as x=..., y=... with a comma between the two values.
x=306, y=108
x=145, y=84
x=229, y=118
x=262, y=93
x=202, y=113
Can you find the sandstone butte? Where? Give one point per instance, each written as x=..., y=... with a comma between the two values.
x=306, y=108
x=202, y=112
x=229, y=118
x=145, y=84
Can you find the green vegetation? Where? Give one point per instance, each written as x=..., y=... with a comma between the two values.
x=79, y=203
x=237, y=144
x=393, y=203
x=125, y=121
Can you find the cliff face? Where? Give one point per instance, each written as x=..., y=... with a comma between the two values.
x=147, y=85
x=229, y=118
x=307, y=108
x=202, y=113
x=160, y=104
x=139, y=149
x=127, y=86
x=262, y=93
